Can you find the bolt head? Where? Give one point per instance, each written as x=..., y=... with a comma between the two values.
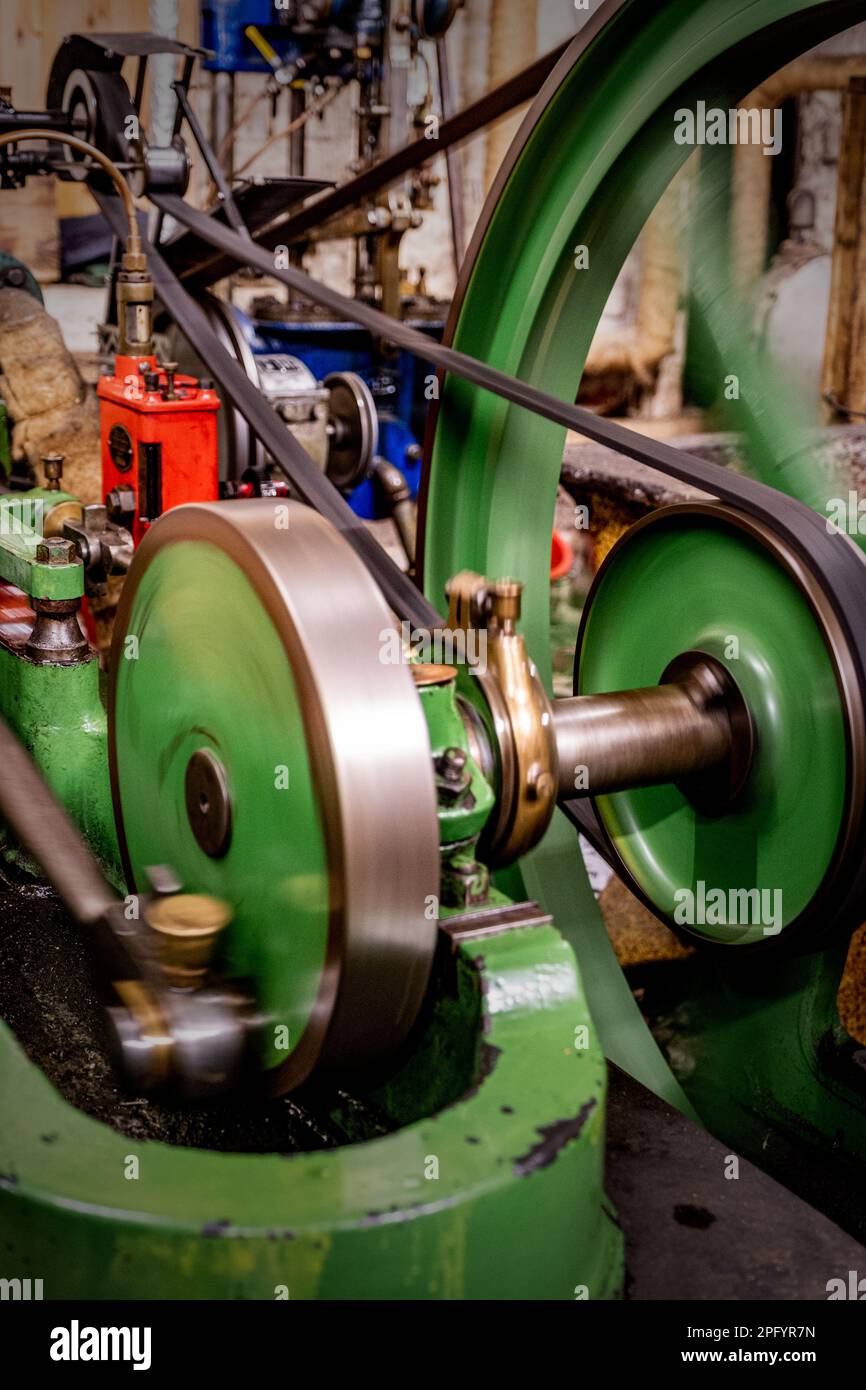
x=56, y=551
x=504, y=600
x=452, y=762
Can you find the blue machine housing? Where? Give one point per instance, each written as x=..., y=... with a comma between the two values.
x=223, y=23
x=400, y=385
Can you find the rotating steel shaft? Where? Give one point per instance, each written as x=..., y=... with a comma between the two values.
x=693, y=725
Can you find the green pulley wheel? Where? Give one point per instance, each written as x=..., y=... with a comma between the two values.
x=770, y=866
x=262, y=748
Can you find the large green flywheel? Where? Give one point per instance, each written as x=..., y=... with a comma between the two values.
x=589, y=164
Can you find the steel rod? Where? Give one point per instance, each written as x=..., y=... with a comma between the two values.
x=452, y=160
x=636, y=738
x=214, y=167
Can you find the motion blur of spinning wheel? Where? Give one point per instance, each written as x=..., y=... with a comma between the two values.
x=591, y=162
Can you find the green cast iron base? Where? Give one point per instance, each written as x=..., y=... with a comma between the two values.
x=497, y=1194
x=490, y=1184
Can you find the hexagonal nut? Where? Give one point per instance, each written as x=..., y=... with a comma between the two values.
x=54, y=550
x=135, y=262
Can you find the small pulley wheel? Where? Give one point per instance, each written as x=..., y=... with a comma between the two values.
x=354, y=430
x=777, y=864
x=99, y=107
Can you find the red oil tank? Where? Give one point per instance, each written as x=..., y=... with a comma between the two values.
x=159, y=441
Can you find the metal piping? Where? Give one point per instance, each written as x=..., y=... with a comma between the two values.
x=456, y=196
x=513, y=32
x=222, y=118
x=400, y=504
x=13, y=137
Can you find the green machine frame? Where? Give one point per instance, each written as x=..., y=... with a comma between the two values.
x=481, y=1174
x=491, y=1181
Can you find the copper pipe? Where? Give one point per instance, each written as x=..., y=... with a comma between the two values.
x=14, y=137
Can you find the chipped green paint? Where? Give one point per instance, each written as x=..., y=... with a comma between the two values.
x=517, y=1209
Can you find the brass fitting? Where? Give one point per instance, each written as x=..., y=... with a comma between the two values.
x=52, y=467
x=187, y=926
x=134, y=307
x=520, y=712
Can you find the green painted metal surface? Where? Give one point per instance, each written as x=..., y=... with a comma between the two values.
x=20, y=535
x=205, y=669
x=781, y=837
x=516, y=1207
x=490, y=1184
x=56, y=711
x=497, y=1195
x=764, y=1057
x=59, y=715
x=5, y=441
x=27, y=280
x=591, y=168
x=446, y=730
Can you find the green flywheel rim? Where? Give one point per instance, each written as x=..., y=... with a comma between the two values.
x=210, y=672
x=689, y=580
